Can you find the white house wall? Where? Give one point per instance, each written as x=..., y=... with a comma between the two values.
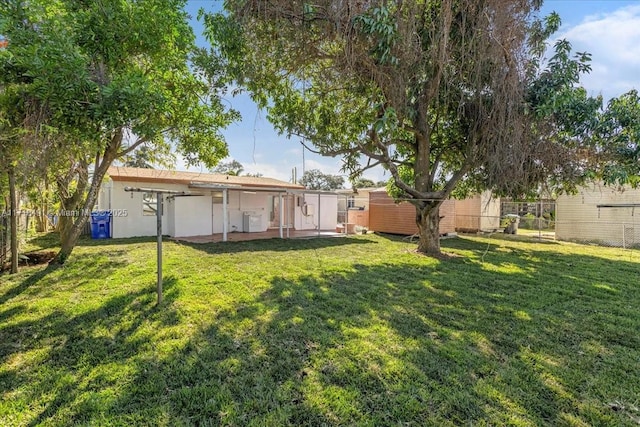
x=134, y=223
x=198, y=215
x=170, y=211
x=104, y=197
x=191, y=216
x=327, y=215
x=254, y=204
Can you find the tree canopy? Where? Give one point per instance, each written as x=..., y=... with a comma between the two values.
x=231, y=167
x=110, y=76
x=445, y=95
x=365, y=183
x=315, y=179
x=619, y=134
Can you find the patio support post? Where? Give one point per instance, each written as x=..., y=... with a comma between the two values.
x=225, y=197
x=280, y=214
x=159, y=249
x=319, y=214
x=346, y=215
x=290, y=220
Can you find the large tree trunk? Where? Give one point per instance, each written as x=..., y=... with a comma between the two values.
x=71, y=226
x=13, y=207
x=428, y=221
x=41, y=211
x=71, y=230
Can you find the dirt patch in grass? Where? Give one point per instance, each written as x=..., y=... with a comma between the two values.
x=33, y=258
x=443, y=256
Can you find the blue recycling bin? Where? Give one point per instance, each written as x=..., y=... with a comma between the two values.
x=100, y=225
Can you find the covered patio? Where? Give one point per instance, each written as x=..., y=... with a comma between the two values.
x=269, y=234
x=291, y=213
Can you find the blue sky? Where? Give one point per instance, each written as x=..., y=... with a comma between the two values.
x=608, y=29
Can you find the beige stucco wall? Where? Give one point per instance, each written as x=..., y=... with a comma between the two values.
x=360, y=199
x=579, y=218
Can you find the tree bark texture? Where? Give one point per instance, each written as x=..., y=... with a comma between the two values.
x=13, y=206
x=71, y=231
x=428, y=222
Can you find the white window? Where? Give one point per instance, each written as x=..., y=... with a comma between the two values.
x=351, y=202
x=217, y=197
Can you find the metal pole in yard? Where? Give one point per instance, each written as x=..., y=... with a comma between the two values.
x=225, y=220
x=159, y=231
x=540, y=211
x=289, y=219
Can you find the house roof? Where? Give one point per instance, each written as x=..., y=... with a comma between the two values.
x=359, y=190
x=118, y=173
x=378, y=190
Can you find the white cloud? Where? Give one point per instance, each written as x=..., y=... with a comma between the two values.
x=181, y=165
x=294, y=152
x=613, y=39
x=268, y=170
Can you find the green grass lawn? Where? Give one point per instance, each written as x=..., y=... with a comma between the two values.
x=344, y=331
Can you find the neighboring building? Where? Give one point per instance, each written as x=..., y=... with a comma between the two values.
x=387, y=216
x=599, y=214
x=253, y=204
x=478, y=213
x=353, y=207
x=358, y=199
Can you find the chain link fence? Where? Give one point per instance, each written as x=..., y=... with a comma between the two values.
x=602, y=233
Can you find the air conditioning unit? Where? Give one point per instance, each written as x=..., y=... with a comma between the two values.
x=251, y=222
x=308, y=209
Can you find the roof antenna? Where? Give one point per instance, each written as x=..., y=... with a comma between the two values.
x=304, y=98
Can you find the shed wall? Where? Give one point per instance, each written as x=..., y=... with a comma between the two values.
x=480, y=212
x=386, y=216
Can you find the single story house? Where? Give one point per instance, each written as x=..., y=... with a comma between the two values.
x=387, y=216
x=215, y=204
x=599, y=214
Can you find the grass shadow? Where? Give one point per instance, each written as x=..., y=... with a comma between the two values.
x=26, y=283
x=77, y=349
x=446, y=343
x=516, y=334
x=276, y=244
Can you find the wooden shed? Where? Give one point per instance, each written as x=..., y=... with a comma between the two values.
x=480, y=212
x=387, y=216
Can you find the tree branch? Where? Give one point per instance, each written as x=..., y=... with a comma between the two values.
x=132, y=147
